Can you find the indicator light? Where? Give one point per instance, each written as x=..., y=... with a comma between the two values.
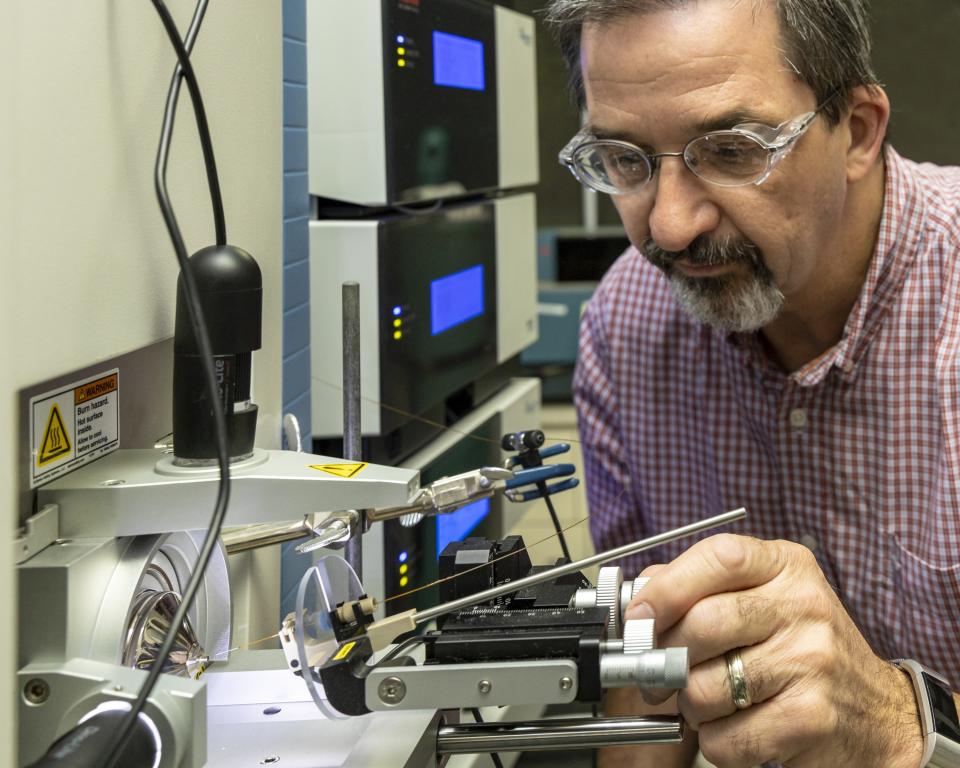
x=397, y=323
x=401, y=51
x=404, y=568
x=397, y=311
x=404, y=581
x=401, y=39
x=403, y=557
x=397, y=335
x=401, y=63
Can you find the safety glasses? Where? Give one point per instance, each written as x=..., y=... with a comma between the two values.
x=745, y=154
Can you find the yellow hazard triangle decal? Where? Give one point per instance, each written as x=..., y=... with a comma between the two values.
x=340, y=470
x=56, y=439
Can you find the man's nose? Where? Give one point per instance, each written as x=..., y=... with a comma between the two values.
x=682, y=210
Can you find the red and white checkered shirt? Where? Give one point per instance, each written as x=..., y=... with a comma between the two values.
x=856, y=455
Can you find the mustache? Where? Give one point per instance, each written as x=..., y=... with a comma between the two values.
x=704, y=252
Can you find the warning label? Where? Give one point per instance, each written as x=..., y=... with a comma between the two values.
x=340, y=470
x=56, y=439
x=73, y=426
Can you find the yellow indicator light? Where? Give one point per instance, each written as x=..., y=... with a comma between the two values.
x=404, y=581
x=401, y=51
x=401, y=63
x=397, y=335
x=403, y=569
x=397, y=323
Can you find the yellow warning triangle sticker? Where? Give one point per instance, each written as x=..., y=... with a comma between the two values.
x=340, y=470
x=56, y=439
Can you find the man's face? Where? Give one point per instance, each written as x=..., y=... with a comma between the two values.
x=734, y=255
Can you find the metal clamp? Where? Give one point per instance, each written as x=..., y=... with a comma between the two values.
x=452, y=686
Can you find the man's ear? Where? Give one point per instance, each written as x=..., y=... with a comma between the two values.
x=866, y=125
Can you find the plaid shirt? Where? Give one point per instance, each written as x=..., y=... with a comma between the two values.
x=856, y=455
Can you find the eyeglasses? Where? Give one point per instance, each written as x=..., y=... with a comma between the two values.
x=745, y=154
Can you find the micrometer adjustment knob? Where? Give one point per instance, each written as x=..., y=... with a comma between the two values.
x=630, y=589
x=609, y=582
x=661, y=668
x=639, y=635
x=584, y=598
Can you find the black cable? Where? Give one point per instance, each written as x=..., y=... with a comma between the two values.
x=497, y=763
x=542, y=487
x=199, y=325
x=210, y=163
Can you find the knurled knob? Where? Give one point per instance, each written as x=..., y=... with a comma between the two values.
x=630, y=590
x=609, y=582
x=639, y=635
x=584, y=598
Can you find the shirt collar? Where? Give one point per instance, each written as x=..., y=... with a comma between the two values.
x=901, y=230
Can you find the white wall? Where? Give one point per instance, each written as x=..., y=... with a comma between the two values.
x=86, y=267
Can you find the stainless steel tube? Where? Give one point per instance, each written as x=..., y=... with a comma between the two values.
x=256, y=536
x=572, y=733
x=351, y=405
x=561, y=570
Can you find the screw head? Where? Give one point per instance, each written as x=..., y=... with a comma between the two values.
x=484, y=686
x=391, y=690
x=566, y=683
x=36, y=691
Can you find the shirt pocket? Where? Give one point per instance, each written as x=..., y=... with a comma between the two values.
x=928, y=595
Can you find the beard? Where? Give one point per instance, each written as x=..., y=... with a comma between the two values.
x=740, y=301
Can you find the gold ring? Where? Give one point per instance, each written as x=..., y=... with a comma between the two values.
x=737, y=680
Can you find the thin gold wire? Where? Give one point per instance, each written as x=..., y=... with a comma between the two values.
x=250, y=644
x=554, y=535
x=433, y=423
x=484, y=565
x=471, y=436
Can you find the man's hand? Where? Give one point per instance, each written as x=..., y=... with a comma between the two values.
x=820, y=695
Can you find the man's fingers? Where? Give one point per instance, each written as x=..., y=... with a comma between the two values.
x=715, y=625
x=747, y=738
x=709, y=696
x=724, y=563
x=650, y=570
x=758, y=734
x=719, y=623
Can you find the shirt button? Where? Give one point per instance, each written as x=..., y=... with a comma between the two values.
x=798, y=418
x=810, y=542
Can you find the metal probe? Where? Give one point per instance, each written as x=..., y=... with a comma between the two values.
x=382, y=632
x=578, y=565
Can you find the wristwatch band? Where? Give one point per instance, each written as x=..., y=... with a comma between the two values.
x=938, y=716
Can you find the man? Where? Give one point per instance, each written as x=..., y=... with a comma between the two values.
x=783, y=336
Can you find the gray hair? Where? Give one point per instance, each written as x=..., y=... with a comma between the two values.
x=827, y=42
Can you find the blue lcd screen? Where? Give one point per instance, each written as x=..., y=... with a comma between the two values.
x=457, y=62
x=456, y=298
x=458, y=525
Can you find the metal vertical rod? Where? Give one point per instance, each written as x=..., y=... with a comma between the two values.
x=351, y=405
x=591, y=210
